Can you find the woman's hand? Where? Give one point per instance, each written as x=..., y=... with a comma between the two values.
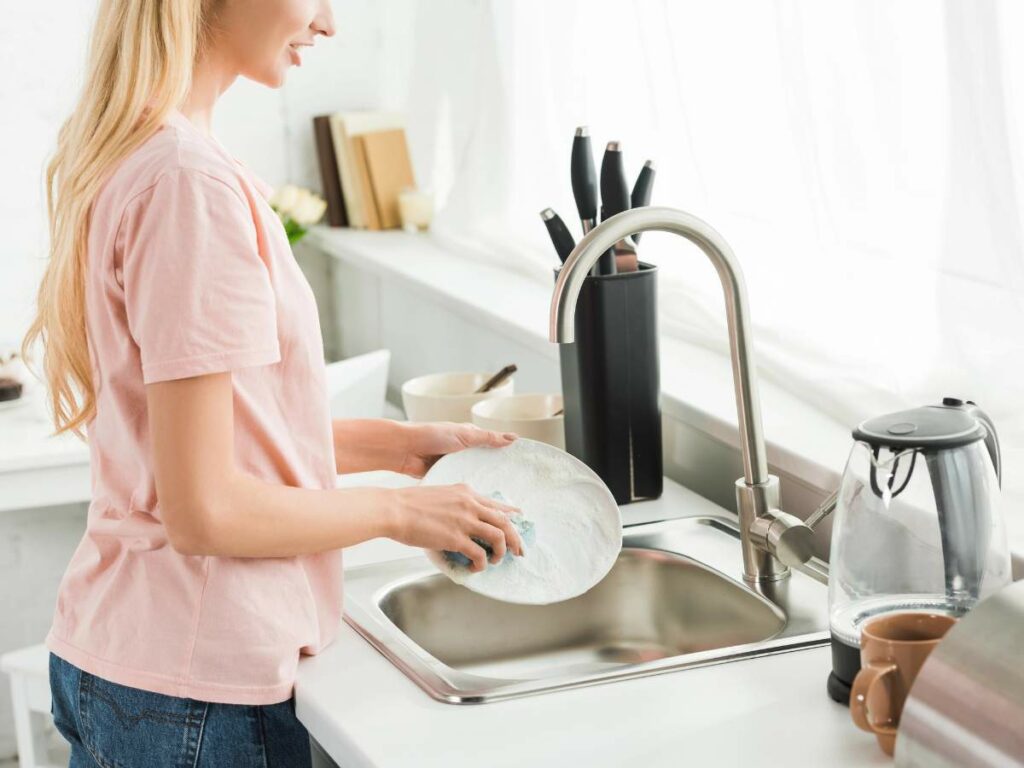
x=448, y=517
x=426, y=443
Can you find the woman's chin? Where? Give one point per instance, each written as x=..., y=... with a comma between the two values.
x=272, y=77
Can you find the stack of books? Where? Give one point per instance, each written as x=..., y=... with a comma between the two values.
x=364, y=165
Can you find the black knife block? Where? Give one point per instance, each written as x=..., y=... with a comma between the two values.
x=611, y=383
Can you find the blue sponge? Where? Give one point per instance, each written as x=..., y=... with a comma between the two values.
x=522, y=525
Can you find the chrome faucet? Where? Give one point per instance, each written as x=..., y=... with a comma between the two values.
x=772, y=540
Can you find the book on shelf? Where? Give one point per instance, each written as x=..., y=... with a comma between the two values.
x=345, y=126
x=389, y=169
x=370, y=215
x=364, y=165
x=329, y=177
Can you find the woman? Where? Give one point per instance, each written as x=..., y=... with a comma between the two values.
x=180, y=334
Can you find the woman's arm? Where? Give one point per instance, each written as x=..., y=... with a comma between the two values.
x=362, y=445
x=210, y=507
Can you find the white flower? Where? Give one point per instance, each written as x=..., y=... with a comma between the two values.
x=285, y=198
x=300, y=205
x=309, y=209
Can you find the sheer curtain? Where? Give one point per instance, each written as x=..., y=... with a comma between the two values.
x=864, y=160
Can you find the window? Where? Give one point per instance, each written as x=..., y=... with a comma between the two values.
x=863, y=159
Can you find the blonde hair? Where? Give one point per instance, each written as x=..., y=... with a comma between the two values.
x=139, y=68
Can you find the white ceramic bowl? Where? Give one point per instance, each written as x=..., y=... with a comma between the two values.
x=448, y=396
x=526, y=415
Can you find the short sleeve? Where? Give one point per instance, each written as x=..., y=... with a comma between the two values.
x=198, y=296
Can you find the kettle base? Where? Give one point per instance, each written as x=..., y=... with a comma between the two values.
x=838, y=690
x=845, y=666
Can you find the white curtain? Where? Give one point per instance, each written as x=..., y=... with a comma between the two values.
x=864, y=160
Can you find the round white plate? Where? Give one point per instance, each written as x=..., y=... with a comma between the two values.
x=577, y=524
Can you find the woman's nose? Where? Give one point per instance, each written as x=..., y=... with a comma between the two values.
x=323, y=22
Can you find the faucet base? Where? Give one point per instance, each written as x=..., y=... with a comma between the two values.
x=755, y=504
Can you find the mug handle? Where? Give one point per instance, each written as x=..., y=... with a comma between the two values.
x=862, y=685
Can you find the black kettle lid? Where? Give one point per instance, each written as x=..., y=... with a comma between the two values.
x=948, y=425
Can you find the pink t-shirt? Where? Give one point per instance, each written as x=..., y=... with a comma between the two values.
x=190, y=273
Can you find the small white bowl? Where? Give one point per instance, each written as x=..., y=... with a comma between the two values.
x=448, y=396
x=526, y=415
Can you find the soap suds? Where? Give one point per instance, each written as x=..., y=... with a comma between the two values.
x=577, y=526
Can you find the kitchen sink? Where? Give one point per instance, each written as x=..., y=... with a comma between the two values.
x=673, y=600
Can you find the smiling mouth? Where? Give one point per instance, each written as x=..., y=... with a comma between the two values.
x=293, y=53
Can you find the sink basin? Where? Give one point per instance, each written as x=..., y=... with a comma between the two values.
x=674, y=599
x=651, y=605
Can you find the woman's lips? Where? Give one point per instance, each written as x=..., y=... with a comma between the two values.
x=293, y=54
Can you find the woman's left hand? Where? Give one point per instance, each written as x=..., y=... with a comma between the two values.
x=429, y=442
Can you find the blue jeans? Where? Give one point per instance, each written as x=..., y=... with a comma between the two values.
x=114, y=726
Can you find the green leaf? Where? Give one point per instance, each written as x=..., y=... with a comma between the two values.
x=293, y=230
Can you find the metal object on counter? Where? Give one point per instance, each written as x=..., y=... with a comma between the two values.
x=918, y=526
x=790, y=538
x=769, y=544
x=674, y=600
x=967, y=705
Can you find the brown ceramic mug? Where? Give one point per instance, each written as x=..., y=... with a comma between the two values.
x=892, y=649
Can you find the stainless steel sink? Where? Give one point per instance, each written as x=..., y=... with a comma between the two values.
x=674, y=599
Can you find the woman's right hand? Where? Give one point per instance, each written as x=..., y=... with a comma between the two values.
x=448, y=517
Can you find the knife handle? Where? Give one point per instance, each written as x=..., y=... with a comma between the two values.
x=561, y=238
x=642, y=190
x=614, y=196
x=584, y=177
x=614, y=192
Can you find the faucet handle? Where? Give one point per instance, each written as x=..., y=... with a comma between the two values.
x=788, y=538
x=826, y=508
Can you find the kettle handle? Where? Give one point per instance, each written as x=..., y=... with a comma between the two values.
x=991, y=439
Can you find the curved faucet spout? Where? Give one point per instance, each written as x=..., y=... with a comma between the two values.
x=771, y=540
x=697, y=231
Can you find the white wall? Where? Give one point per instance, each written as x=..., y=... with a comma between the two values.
x=42, y=51
x=42, y=47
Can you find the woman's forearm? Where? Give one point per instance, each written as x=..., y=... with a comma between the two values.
x=246, y=517
x=210, y=506
x=364, y=445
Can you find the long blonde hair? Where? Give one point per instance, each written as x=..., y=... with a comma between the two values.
x=139, y=68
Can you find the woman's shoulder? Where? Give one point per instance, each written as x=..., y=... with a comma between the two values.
x=166, y=155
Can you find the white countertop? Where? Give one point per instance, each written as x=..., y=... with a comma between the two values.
x=768, y=711
x=28, y=440
x=38, y=469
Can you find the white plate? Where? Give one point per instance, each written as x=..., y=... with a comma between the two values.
x=577, y=524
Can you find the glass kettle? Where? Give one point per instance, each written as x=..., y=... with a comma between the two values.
x=917, y=524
